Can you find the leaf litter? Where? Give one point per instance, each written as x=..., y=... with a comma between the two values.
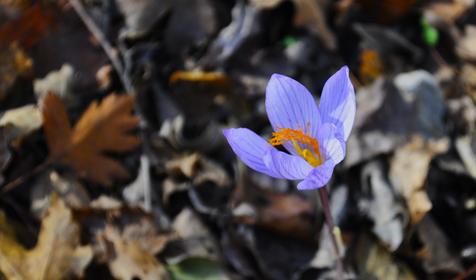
x=114, y=166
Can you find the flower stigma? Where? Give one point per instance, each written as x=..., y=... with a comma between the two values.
x=310, y=146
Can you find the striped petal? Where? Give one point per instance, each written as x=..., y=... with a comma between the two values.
x=286, y=165
x=337, y=103
x=318, y=177
x=251, y=149
x=290, y=105
x=331, y=142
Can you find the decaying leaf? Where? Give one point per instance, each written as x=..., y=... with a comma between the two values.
x=22, y=120
x=437, y=252
x=101, y=128
x=213, y=78
x=14, y=62
x=198, y=168
x=408, y=172
x=128, y=260
x=468, y=72
x=466, y=46
x=289, y=215
x=131, y=223
x=28, y=28
x=448, y=11
x=196, y=240
x=59, y=82
x=382, y=205
x=57, y=254
x=68, y=188
x=375, y=262
x=371, y=66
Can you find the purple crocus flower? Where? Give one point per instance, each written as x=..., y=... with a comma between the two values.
x=313, y=135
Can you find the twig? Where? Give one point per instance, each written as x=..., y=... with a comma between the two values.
x=333, y=230
x=467, y=273
x=107, y=47
x=20, y=180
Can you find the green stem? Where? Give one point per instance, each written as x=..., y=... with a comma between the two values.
x=333, y=230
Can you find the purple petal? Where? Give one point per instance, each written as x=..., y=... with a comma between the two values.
x=337, y=103
x=318, y=177
x=332, y=142
x=286, y=165
x=290, y=105
x=251, y=149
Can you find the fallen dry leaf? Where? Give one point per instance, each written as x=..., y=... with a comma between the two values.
x=213, y=78
x=408, y=172
x=101, y=128
x=28, y=28
x=131, y=223
x=57, y=254
x=371, y=66
x=289, y=215
x=22, y=120
x=14, y=62
x=130, y=261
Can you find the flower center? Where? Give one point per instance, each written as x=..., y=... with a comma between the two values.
x=306, y=146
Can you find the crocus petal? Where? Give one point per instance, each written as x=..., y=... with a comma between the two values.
x=286, y=165
x=337, y=103
x=318, y=177
x=332, y=142
x=251, y=149
x=290, y=105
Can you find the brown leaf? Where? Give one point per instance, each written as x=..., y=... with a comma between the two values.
x=130, y=261
x=125, y=238
x=287, y=214
x=101, y=128
x=131, y=223
x=29, y=28
x=408, y=172
x=371, y=66
x=57, y=254
x=14, y=62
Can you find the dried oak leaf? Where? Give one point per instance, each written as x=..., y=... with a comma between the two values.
x=57, y=254
x=130, y=261
x=102, y=128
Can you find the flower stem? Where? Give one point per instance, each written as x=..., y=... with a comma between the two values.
x=333, y=230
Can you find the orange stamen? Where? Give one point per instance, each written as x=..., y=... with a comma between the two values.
x=284, y=135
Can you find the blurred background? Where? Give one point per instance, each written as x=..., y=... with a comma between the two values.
x=113, y=164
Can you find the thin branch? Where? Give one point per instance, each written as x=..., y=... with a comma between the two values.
x=107, y=47
x=22, y=179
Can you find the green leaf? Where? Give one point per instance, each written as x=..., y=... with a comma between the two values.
x=430, y=34
x=196, y=268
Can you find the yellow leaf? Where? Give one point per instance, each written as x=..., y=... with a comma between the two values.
x=57, y=254
x=102, y=128
x=212, y=78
